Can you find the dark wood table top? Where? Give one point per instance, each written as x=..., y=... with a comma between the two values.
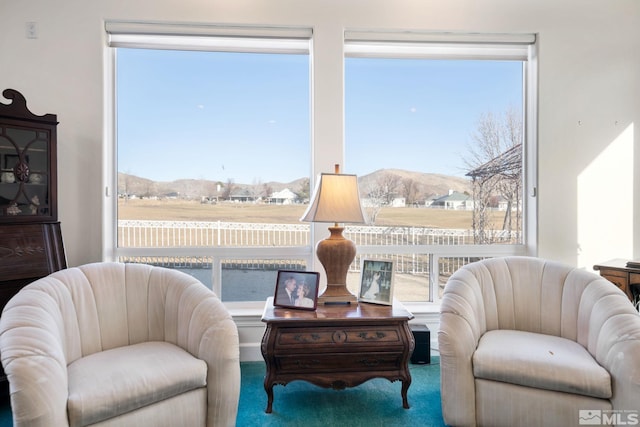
x=619, y=264
x=337, y=312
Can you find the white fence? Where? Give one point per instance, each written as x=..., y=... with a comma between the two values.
x=184, y=234
x=166, y=234
x=177, y=234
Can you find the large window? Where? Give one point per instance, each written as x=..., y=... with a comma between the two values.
x=436, y=128
x=207, y=127
x=212, y=154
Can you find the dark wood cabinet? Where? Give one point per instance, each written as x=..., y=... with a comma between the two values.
x=337, y=346
x=30, y=235
x=27, y=163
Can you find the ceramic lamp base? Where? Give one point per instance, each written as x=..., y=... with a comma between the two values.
x=336, y=255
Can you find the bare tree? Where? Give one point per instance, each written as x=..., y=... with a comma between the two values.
x=124, y=184
x=149, y=189
x=228, y=189
x=256, y=189
x=410, y=190
x=303, y=192
x=266, y=191
x=495, y=163
x=387, y=187
x=380, y=193
x=212, y=189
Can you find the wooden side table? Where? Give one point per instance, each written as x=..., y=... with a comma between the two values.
x=337, y=346
x=626, y=278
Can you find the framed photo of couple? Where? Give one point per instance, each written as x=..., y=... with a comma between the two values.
x=376, y=282
x=297, y=289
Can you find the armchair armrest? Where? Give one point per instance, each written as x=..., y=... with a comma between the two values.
x=206, y=330
x=34, y=361
x=462, y=323
x=616, y=346
x=621, y=360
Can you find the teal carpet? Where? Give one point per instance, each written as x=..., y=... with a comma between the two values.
x=375, y=403
x=5, y=412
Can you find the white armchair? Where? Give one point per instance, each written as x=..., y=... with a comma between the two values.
x=530, y=342
x=111, y=344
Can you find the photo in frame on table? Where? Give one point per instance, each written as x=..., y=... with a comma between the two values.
x=297, y=289
x=376, y=281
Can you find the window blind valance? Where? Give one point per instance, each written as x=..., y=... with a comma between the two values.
x=211, y=37
x=440, y=45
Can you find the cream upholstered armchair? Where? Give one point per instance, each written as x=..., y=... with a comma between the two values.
x=529, y=342
x=111, y=344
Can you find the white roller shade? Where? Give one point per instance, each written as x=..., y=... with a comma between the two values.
x=412, y=44
x=220, y=38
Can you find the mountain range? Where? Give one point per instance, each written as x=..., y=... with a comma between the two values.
x=423, y=185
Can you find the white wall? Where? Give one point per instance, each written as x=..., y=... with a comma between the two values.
x=589, y=96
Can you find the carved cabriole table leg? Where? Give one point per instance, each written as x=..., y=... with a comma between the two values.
x=405, y=389
x=268, y=383
x=269, y=390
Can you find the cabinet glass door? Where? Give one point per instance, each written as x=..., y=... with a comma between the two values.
x=24, y=172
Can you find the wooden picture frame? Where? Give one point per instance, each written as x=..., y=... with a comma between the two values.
x=376, y=281
x=297, y=289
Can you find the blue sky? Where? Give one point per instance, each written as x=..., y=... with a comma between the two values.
x=237, y=116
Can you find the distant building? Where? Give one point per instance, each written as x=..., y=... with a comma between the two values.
x=453, y=200
x=241, y=195
x=399, y=202
x=284, y=197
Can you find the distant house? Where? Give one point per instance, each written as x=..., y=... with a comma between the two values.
x=242, y=195
x=399, y=202
x=284, y=197
x=453, y=200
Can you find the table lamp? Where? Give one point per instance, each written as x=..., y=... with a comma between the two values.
x=336, y=199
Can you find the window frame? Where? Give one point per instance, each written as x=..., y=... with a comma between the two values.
x=463, y=46
x=218, y=38
x=355, y=42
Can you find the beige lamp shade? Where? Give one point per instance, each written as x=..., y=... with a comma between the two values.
x=335, y=199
